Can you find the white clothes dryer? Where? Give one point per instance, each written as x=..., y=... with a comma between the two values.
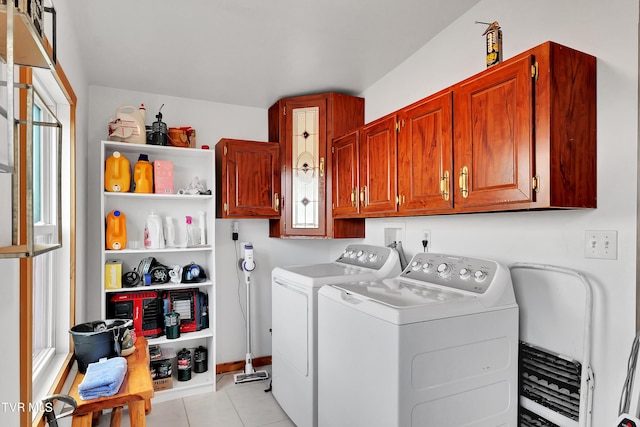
x=435, y=346
x=294, y=322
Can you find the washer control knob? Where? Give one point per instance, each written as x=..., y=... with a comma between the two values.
x=444, y=269
x=480, y=275
x=465, y=273
x=362, y=256
x=426, y=267
x=352, y=254
x=373, y=257
x=415, y=266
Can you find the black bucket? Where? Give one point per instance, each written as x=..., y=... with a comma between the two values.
x=94, y=340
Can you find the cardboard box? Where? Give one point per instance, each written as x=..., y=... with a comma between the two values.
x=163, y=384
x=113, y=274
x=163, y=176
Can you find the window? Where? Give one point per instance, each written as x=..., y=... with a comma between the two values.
x=44, y=266
x=50, y=272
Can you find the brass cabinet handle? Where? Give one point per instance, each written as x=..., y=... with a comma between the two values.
x=276, y=202
x=354, y=191
x=463, y=182
x=444, y=186
x=363, y=196
x=321, y=166
x=401, y=200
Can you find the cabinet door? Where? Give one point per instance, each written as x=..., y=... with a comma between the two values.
x=250, y=179
x=493, y=131
x=344, y=157
x=425, y=156
x=305, y=151
x=378, y=167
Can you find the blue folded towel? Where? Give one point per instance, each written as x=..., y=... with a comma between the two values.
x=103, y=378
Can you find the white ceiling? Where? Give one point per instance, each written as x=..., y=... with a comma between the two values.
x=252, y=52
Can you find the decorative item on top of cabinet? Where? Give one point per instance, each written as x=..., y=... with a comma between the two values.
x=247, y=179
x=525, y=133
x=305, y=127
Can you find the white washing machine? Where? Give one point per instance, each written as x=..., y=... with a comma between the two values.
x=433, y=347
x=294, y=322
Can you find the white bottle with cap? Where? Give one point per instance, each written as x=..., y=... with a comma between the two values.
x=169, y=232
x=203, y=234
x=153, y=235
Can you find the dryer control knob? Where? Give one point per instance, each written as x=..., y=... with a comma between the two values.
x=426, y=267
x=444, y=269
x=465, y=273
x=480, y=275
x=415, y=266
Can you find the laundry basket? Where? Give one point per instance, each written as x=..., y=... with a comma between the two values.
x=556, y=380
x=97, y=339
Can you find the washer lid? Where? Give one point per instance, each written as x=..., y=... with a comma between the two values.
x=317, y=275
x=401, y=294
x=401, y=302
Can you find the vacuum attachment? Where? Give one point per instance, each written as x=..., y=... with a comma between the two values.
x=253, y=376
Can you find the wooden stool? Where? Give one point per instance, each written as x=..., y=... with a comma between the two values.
x=135, y=392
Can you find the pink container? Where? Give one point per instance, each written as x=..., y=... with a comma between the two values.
x=163, y=176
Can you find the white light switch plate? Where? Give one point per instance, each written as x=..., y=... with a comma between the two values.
x=601, y=244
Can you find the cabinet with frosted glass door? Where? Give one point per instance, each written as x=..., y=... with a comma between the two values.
x=305, y=126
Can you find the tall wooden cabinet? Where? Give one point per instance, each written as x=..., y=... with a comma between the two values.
x=305, y=127
x=247, y=179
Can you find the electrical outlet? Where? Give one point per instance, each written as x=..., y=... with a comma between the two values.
x=426, y=239
x=601, y=244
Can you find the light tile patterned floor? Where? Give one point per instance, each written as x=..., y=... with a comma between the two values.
x=233, y=405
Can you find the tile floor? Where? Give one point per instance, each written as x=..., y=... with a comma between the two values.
x=233, y=405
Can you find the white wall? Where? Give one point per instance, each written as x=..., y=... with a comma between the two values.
x=545, y=237
x=212, y=121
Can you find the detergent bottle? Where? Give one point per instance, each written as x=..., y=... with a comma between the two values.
x=153, y=233
x=117, y=173
x=116, y=236
x=143, y=175
x=128, y=125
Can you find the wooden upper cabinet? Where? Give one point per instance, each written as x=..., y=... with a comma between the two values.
x=247, y=179
x=425, y=155
x=525, y=133
x=494, y=145
x=344, y=158
x=378, y=166
x=305, y=126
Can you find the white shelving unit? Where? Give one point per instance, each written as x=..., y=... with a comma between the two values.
x=187, y=163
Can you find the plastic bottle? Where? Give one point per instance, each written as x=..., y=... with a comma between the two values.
x=201, y=223
x=117, y=173
x=153, y=235
x=116, y=230
x=143, y=175
x=193, y=233
x=169, y=232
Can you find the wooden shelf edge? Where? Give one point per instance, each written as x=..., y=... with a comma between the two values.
x=29, y=49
